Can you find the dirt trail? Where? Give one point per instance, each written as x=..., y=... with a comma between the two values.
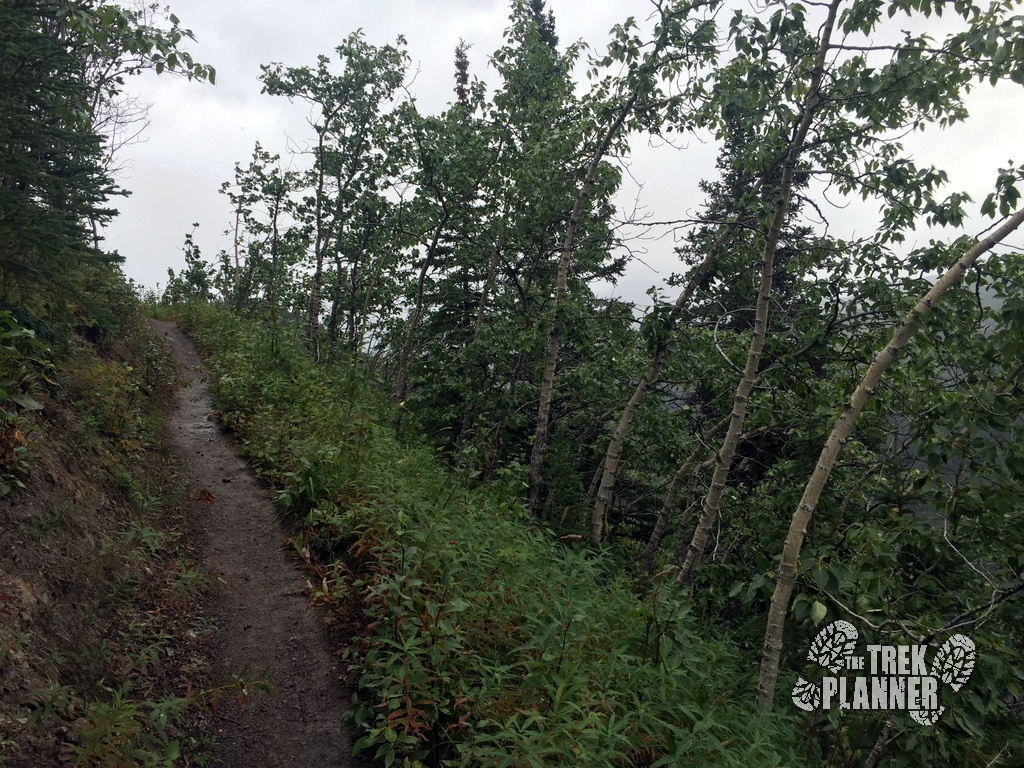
x=260, y=605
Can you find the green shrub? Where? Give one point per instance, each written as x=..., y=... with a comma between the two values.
x=24, y=360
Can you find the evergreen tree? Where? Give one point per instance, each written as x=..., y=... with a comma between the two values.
x=52, y=179
x=545, y=22
x=62, y=65
x=462, y=73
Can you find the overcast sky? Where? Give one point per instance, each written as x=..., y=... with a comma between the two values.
x=198, y=132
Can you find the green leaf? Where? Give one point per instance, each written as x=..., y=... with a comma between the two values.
x=27, y=402
x=818, y=612
x=458, y=604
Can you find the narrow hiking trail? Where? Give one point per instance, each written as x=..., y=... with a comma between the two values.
x=260, y=605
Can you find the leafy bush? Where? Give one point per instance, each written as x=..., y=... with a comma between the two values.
x=23, y=360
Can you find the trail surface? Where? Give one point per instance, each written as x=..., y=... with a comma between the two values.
x=263, y=616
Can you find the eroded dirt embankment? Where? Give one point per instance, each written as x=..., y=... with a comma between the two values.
x=260, y=605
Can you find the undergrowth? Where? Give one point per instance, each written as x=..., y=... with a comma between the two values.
x=486, y=641
x=24, y=361
x=101, y=657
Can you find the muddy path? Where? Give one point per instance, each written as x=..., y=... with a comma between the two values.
x=260, y=606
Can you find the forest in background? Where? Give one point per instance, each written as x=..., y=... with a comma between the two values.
x=625, y=503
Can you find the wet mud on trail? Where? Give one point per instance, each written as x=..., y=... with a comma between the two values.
x=263, y=617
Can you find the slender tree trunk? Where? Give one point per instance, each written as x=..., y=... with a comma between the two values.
x=723, y=463
x=320, y=244
x=594, y=482
x=834, y=445
x=364, y=322
x=669, y=503
x=332, y=319
x=275, y=316
x=361, y=338
x=547, y=385
x=314, y=307
x=274, y=246
x=478, y=329
x=683, y=524
x=354, y=329
x=879, y=748
x=402, y=376
x=613, y=454
x=353, y=302
x=238, y=266
x=726, y=453
x=243, y=288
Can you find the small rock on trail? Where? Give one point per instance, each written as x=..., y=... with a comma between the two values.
x=262, y=613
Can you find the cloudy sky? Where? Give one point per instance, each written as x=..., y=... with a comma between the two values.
x=198, y=132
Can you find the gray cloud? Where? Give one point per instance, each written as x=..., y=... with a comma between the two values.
x=198, y=132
